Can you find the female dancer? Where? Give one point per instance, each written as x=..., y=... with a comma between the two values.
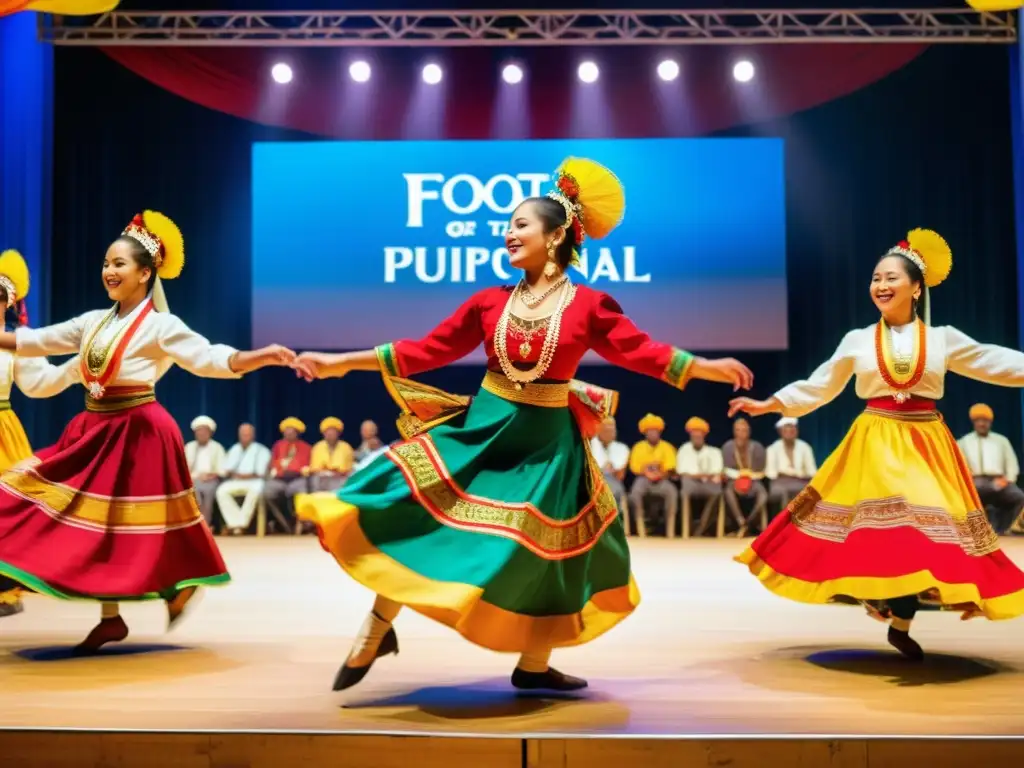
x=114, y=497
x=491, y=516
x=893, y=514
x=35, y=377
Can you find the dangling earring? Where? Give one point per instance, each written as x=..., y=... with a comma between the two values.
x=551, y=268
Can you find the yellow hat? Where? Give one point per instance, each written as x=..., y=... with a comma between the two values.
x=981, y=411
x=291, y=421
x=697, y=424
x=14, y=276
x=331, y=422
x=650, y=421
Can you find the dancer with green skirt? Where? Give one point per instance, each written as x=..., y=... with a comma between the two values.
x=490, y=515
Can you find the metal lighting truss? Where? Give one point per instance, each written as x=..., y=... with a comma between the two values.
x=528, y=28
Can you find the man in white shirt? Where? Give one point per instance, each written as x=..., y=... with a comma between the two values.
x=245, y=468
x=205, y=458
x=789, y=464
x=994, y=466
x=611, y=456
x=700, y=468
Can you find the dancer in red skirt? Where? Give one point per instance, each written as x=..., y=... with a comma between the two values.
x=108, y=513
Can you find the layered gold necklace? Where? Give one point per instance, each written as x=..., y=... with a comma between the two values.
x=547, y=350
x=901, y=371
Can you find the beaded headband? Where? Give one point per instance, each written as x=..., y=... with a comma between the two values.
x=137, y=231
x=8, y=286
x=904, y=249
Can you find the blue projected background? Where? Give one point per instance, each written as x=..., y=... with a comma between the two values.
x=358, y=243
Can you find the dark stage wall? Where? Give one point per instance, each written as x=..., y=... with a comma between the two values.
x=927, y=146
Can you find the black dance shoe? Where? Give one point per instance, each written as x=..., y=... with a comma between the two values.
x=905, y=644
x=551, y=680
x=348, y=676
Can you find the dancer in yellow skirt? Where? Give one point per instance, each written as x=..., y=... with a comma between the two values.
x=893, y=516
x=35, y=377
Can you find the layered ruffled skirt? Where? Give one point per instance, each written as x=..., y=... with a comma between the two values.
x=892, y=512
x=490, y=517
x=108, y=513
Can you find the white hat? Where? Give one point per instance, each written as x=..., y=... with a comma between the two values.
x=203, y=421
x=785, y=421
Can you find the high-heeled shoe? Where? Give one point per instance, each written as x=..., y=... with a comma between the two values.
x=905, y=644
x=549, y=680
x=348, y=676
x=112, y=630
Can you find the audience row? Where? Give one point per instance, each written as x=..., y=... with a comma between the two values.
x=752, y=482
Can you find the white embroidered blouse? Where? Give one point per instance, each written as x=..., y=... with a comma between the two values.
x=161, y=340
x=947, y=350
x=34, y=376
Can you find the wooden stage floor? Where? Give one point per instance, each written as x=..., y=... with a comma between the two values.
x=709, y=653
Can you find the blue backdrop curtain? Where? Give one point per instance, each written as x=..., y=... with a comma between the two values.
x=1017, y=124
x=924, y=147
x=26, y=148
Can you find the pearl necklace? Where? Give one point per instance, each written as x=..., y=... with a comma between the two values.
x=547, y=350
x=531, y=301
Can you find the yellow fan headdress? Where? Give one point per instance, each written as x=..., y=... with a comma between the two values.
x=162, y=239
x=593, y=198
x=14, y=276
x=930, y=252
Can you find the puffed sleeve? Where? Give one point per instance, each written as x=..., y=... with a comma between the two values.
x=60, y=339
x=615, y=338
x=192, y=351
x=824, y=385
x=984, y=362
x=38, y=377
x=452, y=340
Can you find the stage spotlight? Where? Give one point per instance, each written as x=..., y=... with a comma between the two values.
x=512, y=74
x=668, y=70
x=432, y=74
x=743, y=72
x=359, y=71
x=588, y=72
x=281, y=73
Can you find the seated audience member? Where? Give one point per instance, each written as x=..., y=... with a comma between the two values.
x=993, y=464
x=205, y=457
x=652, y=460
x=613, y=459
x=245, y=470
x=790, y=463
x=370, y=446
x=744, y=461
x=700, y=469
x=332, y=458
x=288, y=458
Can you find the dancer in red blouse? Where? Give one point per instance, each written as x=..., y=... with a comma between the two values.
x=491, y=516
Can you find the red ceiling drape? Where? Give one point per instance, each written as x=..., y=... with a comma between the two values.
x=322, y=101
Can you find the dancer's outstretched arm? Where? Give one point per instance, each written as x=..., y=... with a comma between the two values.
x=617, y=339
x=802, y=397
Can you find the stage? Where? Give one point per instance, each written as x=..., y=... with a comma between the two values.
x=709, y=665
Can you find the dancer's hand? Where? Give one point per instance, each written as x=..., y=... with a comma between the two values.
x=725, y=370
x=319, y=365
x=275, y=354
x=753, y=407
